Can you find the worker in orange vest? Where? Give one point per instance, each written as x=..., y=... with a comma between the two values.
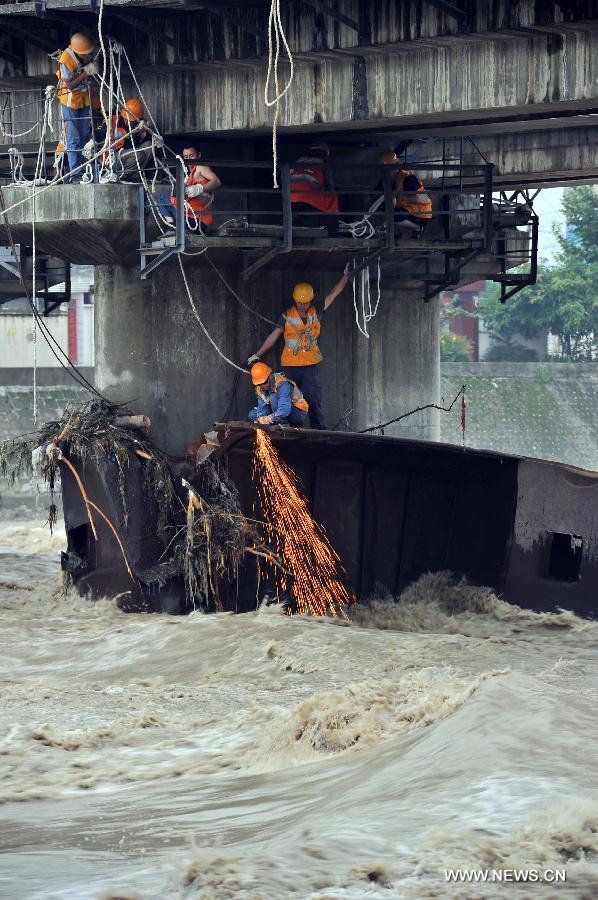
x=301, y=356
x=279, y=400
x=75, y=66
x=130, y=140
x=199, y=185
x=310, y=190
x=413, y=207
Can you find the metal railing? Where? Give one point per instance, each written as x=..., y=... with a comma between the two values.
x=245, y=195
x=22, y=124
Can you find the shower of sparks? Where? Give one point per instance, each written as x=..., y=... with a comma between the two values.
x=299, y=541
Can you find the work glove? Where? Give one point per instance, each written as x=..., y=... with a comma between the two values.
x=194, y=190
x=265, y=420
x=91, y=69
x=347, y=269
x=253, y=359
x=88, y=150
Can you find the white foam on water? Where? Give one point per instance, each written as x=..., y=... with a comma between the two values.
x=265, y=756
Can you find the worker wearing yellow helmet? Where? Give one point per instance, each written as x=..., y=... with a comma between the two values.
x=75, y=66
x=413, y=207
x=301, y=356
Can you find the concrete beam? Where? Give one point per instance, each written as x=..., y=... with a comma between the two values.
x=530, y=159
x=82, y=223
x=524, y=61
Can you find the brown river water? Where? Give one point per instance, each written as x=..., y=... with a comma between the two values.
x=264, y=756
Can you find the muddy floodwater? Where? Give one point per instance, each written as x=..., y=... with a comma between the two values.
x=263, y=756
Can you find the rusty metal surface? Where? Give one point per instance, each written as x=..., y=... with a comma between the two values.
x=394, y=508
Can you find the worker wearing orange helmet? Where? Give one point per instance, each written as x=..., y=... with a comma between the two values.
x=130, y=139
x=312, y=190
x=279, y=400
x=413, y=207
x=75, y=66
x=301, y=356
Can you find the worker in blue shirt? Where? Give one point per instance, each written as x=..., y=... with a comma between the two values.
x=279, y=400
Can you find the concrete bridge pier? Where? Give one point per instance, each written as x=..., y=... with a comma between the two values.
x=152, y=353
x=397, y=369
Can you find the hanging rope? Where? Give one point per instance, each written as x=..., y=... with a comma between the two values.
x=34, y=292
x=237, y=297
x=365, y=299
x=72, y=370
x=104, y=62
x=203, y=327
x=276, y=31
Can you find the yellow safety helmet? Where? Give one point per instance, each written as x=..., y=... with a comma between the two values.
x=81, y=44
x=389, y=157
x=260, y=372
x=303, y=292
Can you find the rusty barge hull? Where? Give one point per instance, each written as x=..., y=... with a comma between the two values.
x=393, y=509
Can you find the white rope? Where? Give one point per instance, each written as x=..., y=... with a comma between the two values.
x=104, y=63
x=203, y=327
x=107, y=175
x=60, y=179
x=363, y=229
x=120, y=98
x=34, y=311
x=17, y=161
x=236, y=296
x=50, y=94
x=275, y=28
x=139, y=93
x=17, y=134
x=365, y=299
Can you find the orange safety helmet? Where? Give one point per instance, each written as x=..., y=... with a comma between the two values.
x=80, y=43
x=303, y=292
x=133, y=110
x=388, y=157
x=260, y=372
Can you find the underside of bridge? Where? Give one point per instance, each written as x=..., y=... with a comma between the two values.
x=477, y=97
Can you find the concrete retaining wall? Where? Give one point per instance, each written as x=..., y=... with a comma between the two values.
x=547, y=410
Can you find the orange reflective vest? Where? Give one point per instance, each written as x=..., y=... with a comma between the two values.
x=119, y=142
x=422, y=207
x=298, y=399
x=307, y=183
x=301, y=338
x=77, y=99
x=200, y=204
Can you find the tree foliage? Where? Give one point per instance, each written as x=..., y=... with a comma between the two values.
x=565, y=298
x=455, y=348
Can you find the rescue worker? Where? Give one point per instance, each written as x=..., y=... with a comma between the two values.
x=198, y=192
x=279, y=400
x=308, y=183
x=75, y=65
x=413, y=207
x=132, y=148
x=300, y=325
